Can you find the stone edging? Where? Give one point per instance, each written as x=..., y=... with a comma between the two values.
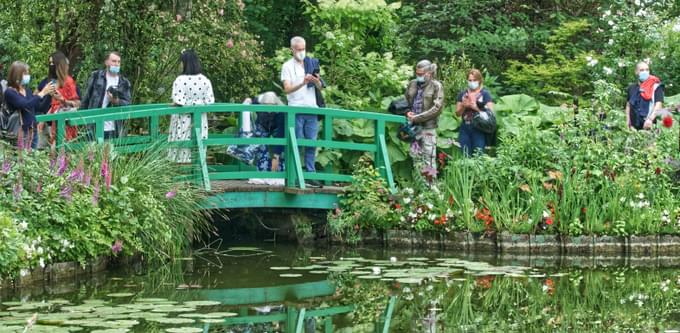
x=55, y=272
x=659, y=245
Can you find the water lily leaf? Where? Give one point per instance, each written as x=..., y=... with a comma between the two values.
x=290, y=275
x=172, y=321
x=184, y=330
x=201, y=303
x=120, y=295
x=279, y=268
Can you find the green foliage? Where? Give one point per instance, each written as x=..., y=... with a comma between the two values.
x=150, y=36
x=67, y=211
x=366, y=204
x=562, y=69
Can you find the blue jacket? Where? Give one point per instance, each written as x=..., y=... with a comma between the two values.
x=312, y=66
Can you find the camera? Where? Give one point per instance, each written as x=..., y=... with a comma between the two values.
x=115, y=92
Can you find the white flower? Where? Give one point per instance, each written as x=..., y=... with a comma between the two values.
x=23, y=272
x=610, y=41
x=432, y=217
x=545, y=288
x=407, y=201
x=546, y=214
x=40, y=250
x=589, y=58
x=641, y=195
x=429, y=206
x=23, y=226
x=607, y=12
x=607, y=70
x=329, y=35
x=393, y=259
x=376, y=270
x=407, y=290
x=676, y=27
x=610, y=22
x=41, y=262
x=592, y=62
x=621, y=63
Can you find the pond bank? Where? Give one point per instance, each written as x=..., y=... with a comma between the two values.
x=507, y=243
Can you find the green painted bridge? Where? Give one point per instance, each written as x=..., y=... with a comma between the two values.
x=227, y=183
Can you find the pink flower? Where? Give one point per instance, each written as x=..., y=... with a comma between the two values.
x=117, y=246
x=178, y=18
x=230, y=43
x=170, y=194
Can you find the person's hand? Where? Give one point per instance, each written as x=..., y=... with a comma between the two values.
x=648, y=124
x=112, y=100
x=48, y=89
x=275, y=163
x=410, y=115
x=57, y=95
x=308, y=78
x=316, y=80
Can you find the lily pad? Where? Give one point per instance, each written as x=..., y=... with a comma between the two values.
x=279, y=268
x=201, y=303
x=172, y=321
x=184, y=330
x=116, y=295
x=290, y=275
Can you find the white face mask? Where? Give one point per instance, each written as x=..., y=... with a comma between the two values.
x=473, y=85
x=300, y=55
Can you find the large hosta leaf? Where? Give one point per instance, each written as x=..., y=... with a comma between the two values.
x=516, y=104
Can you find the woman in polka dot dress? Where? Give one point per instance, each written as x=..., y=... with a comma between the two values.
x=190, y=88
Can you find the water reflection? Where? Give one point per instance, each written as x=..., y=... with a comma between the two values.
x=436, y=292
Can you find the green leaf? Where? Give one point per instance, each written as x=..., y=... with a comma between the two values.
x=517, y=104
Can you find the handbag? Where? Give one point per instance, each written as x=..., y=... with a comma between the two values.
x=484, y=121
x=408, y=132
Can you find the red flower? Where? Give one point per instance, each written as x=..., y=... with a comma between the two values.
x=549, y=221
x=657, y=171
x=583, y=210
x=436, y=222
x=667, y=121
x=397, y=206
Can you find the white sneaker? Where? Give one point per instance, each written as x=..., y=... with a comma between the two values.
x=256, y=181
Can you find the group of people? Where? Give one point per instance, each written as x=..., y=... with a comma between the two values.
x=302, y=83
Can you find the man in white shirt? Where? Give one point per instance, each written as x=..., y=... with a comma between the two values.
x=300, y=88
x=98, y=93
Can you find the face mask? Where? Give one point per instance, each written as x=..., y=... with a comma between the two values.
x=473, y=85
x=643, y=76
x=114, y=69
x=25, y=79
x=420, y=79
x=300, y=55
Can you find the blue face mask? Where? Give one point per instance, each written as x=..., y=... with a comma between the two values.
x=643, y=76
x=473, y=85
x=114, y=69
x=25, y=79
x=420, y=79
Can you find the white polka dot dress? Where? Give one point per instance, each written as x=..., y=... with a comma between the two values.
x=188, y=90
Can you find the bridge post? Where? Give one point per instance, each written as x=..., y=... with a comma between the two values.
x=328, y=136
x=99, y=131
x=61, y=131
x=382, y=159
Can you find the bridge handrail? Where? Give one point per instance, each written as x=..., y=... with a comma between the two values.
x=293, y=174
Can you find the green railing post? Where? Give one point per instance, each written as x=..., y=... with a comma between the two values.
x=61, y=131
x=99, y=131
x=202, y=160
x=301, y=321
x=293, y=163
x=196, y=161
x=154, y=128
x=328, y=324
x=378, y=161
x=328, y=136
x=291, y=315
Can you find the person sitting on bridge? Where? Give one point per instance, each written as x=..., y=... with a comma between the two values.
x=266, y=124
x=107, y=88
x=190, y=88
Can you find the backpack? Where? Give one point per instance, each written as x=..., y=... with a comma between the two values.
x=9, y=121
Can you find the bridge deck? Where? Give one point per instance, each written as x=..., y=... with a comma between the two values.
x=240, y=194
x=222, y=186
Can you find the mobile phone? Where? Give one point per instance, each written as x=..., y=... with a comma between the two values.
x=53, y=82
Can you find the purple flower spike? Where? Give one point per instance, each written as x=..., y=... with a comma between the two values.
x=6, y=167
x=62, y=162
x=170, y=194
x=117, y=246
x=95, y=195
x=66, y=192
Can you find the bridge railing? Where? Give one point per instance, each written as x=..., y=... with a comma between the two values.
x=293, y=174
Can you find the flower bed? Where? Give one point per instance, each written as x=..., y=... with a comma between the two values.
x=91, y=203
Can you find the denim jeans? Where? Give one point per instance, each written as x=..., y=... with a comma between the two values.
x=307, y=127
x=471, y=139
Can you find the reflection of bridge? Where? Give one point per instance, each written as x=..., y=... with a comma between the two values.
x=227, y=183
x=292, y=317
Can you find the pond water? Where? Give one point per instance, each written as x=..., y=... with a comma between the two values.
x=436, y=292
